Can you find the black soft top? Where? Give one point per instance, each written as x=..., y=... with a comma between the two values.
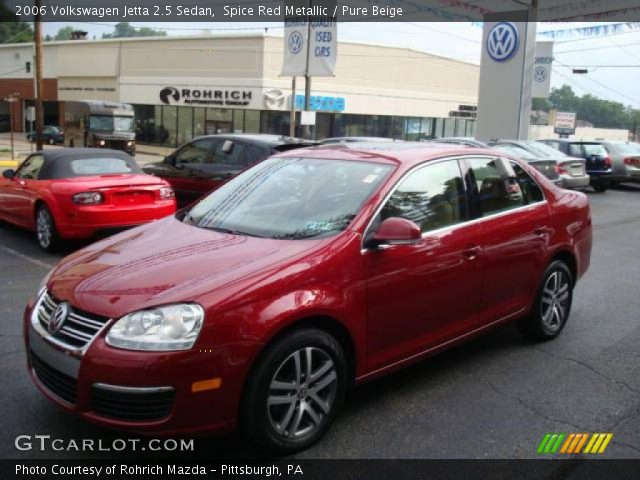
x=57, y=163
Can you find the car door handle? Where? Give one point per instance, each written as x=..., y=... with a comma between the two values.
x=471, y=252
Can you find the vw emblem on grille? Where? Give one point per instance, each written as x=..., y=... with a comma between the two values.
x=540, y=74
x=502, y=41
x=58, y=317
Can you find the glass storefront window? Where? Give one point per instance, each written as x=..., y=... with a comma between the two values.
x=439, y=128
x=276, y=123
x=185, y=124
x=198, y=122
x=252, y=121
x=449, y=127
x=219, y=120
x=426, y=127
x=168, y=131
x=238, y=121
x=398, y=128
x=413, y=129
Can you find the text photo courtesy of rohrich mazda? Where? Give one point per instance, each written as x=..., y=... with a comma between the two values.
x=319, y=239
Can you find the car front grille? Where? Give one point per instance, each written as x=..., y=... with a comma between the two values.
x=77, y=330
x=60, y=384
x=125, y=403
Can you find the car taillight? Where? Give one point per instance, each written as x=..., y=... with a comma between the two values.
x=607, y=161
x=632, y=162
x=167, y=192
x=88, y=198
x=561, y=168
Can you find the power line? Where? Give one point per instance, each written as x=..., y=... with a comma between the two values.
x=13, y=71
x=598, y=48
x=605, y=86
x=17, y=34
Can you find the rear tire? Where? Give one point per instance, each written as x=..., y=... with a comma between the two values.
x=552, y=305
x=46, y=232
x=601, y=187
x=294, y=391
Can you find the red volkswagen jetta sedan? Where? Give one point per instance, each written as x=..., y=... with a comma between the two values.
x=78, y=192
x=310, y=272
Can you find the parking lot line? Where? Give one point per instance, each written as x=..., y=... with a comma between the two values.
x=35, y=261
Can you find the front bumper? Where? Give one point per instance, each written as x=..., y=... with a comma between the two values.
x=97, y=383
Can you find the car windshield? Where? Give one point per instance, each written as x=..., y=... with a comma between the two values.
x=102, y=166
x=628, y=148
x=587, y=149
x=290, y=198
x=112, y=124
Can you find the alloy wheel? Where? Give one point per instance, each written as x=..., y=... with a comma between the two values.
x=555, y=300
x=302, y=392
x=44, y=227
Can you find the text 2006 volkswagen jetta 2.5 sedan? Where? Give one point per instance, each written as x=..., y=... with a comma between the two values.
x=315, y=270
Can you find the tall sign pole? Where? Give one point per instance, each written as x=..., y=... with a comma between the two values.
x=307, y=77
x=292, y=117
x=506, y=75
x=38, y=93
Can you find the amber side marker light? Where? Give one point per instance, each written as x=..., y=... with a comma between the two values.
x=202, y=385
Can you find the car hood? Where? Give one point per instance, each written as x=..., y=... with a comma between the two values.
x=166, y=262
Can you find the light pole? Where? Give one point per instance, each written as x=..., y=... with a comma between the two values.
x=11, y=99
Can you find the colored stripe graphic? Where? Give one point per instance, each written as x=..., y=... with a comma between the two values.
x=572, y=443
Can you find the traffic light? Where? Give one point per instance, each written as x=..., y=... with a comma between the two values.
x=27, y=67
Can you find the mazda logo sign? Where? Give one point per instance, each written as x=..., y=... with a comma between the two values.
x=58, y=317
x=502, y=41
x=274, y=99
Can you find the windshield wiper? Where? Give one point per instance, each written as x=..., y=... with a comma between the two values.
x=233, y=232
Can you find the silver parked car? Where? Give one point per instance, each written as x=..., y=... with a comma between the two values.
x=570, y=172
x=625, y=160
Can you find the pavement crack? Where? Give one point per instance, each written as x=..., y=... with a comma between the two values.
x=532, y=409
x=628, y=445
x=589, y=367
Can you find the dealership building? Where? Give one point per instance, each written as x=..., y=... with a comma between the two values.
x=183, y=87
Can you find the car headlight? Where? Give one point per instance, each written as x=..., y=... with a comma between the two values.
x=170, y=327
x=102, y=143
x=129, y=143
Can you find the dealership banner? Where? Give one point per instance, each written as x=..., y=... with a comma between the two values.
x=541, y=86
x=322, y=47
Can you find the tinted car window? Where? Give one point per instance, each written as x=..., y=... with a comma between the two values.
x=237, y=153
x=496, y=192
x=587, y=149
x=432, y=197
x=545, y=150
x=197, y=151
x=30, y=169
x=531, y=190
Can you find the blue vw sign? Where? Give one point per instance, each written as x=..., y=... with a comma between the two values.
x=295, y=42
x=503, y=41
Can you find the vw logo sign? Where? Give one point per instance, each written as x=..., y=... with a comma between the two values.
x=540, y=74
x=273, y=99
x=295, y=42
x=58, y=317
x=503, y=41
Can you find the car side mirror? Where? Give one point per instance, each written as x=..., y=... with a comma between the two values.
x=396, y=231
x=9, y=173
x=171, y=160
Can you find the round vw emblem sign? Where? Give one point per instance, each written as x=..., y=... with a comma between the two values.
x=540, y=74
x=58, y=317
x=503, y=41
x=295, y=42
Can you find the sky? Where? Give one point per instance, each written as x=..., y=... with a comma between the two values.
x=613, y=61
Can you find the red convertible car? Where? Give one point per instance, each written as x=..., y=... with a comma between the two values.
x=312, y=271
x=76, y=193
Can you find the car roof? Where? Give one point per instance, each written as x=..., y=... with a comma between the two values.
x=261, y=139
x=568, y=140
x=360, y=139
x=397, y=153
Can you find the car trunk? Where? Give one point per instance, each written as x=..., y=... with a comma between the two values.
x=594, y=154
x=546, y=167
x=127, y=190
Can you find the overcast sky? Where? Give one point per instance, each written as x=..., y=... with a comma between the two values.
x=462, y=41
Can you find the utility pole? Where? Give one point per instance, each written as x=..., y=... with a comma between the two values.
x=38, y=93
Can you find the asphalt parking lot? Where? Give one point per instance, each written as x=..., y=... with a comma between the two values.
x=495, y=397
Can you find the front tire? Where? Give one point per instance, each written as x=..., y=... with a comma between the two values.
x=552, y=304
x=46, y=232
x=601, y=187
x=295, y=391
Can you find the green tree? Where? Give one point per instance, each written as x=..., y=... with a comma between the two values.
x=125, y=30
x=64, y=33
x=16, y=32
